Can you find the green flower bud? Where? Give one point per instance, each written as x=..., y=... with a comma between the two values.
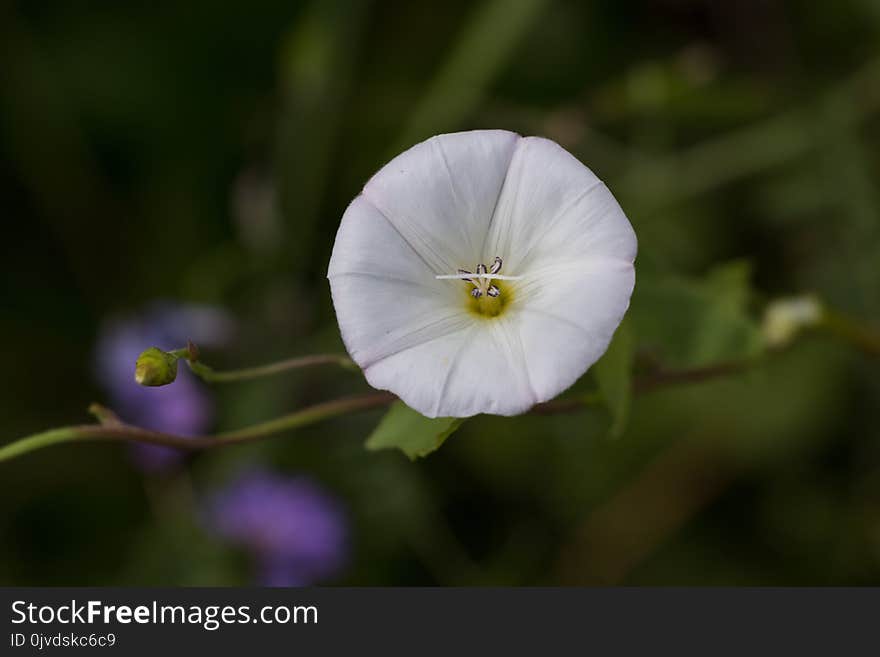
x=155, y=367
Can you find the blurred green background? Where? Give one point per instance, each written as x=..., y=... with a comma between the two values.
x=205, y=152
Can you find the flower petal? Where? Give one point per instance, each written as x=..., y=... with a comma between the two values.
x=566, y=315
x=441, y=194
x=368, y=244
x=553, y=207
x=379, y=318
x=593, y=227
x=480, y=369
x=386, y=297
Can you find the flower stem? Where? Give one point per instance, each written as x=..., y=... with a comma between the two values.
x=660, y=378
x=304, y=417
x=848, y=329
x=209, y=374
x=115, y=431
x=39, y=441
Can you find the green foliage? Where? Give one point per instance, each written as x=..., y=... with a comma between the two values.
x=688, y=322
x=411, y=432
x=613, y=373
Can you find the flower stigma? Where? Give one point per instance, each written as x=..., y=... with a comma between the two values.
x=489, y=295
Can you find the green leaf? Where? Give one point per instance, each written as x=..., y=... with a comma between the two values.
x=407, y=430
x=613, y=373
x=690, y=322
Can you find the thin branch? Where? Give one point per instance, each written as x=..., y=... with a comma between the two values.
x=859, y=335
x=211, y=375
x=119, y=432
x=660, y=378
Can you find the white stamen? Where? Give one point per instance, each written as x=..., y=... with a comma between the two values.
x=487, y=277
x=482, y=279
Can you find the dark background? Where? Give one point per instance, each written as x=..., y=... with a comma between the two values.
x=205, y=152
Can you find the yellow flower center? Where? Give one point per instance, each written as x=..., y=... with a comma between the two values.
x=486, y=307
x=488, y=291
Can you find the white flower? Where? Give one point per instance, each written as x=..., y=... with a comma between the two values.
x=481, y=272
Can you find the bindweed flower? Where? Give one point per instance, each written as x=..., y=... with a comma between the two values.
x=183, y=408
x=481, y=272
x=294, y=530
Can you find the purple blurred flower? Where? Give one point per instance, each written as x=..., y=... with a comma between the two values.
x=296, y=532
x=183, y=407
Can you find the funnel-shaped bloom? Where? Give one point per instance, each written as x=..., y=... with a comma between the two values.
x=481, y=272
